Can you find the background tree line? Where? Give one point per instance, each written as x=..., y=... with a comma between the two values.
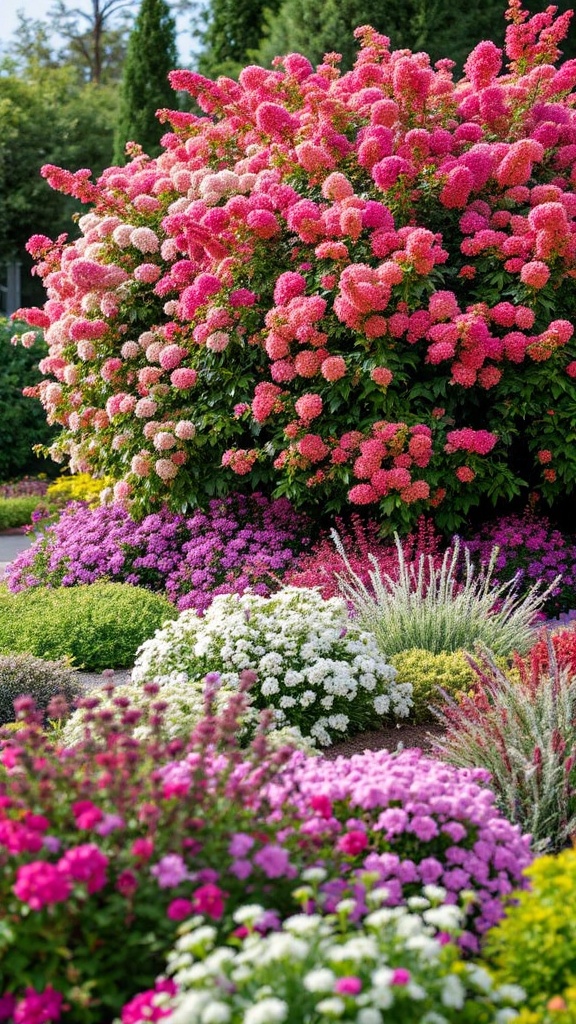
x=79, y=84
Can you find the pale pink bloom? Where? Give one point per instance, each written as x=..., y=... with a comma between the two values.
x=144, y=239
x=165, y=469
x=185, y=430
x=145, y=408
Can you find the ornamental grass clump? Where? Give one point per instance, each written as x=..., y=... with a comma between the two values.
x=314, y=667
x=346, y=288
x=441, y=608
x=398, y=965
x=520, y=728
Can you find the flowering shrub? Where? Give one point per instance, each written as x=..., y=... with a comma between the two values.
x=239, y=542
x=530, y=550
x=404, y=821
x=520, y=727
x=313, y=666
x=323, y=564
x=429, y=674
x=537, y=941
x=400, y=965
x=441, y=607
x=340, y=286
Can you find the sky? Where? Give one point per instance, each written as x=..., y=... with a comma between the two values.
x=39, y=8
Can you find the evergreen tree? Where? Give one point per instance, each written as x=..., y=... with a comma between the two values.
x=233, y=31
x=440, y=27
x=145, y=88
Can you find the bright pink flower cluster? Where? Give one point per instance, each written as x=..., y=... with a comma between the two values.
x=379, y=216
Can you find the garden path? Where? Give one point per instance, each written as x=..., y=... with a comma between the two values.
x=10, y=545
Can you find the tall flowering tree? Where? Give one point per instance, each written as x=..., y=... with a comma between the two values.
x=343, y=288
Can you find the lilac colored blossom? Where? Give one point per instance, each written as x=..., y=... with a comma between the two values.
x=170, y=871
x=274, y=861
x=532, y=550
x=238, y=543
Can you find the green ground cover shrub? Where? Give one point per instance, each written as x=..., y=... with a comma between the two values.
x=98, y=626
x=16, y=512
x=430, y=673
x=536, y=942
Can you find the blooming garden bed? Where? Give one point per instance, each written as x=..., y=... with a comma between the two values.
x=329, y=293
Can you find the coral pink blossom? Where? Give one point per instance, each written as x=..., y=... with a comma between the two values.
x=309, y=407
x=183, y=379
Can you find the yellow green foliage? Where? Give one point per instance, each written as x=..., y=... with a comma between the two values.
x=535, y=945
x=80, y=487
x=427, y=671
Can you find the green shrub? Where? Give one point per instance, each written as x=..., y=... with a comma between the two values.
x=23, y=420
x=17, y=511
x=24, y=675
x=97, y=626
x=428, y=672
x=535, y=944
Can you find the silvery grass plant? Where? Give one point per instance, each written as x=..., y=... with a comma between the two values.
x=446, y=607
x=319, y=968
x=522, y=731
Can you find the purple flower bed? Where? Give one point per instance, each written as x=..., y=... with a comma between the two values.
x=411, y=821
x=239, y=542
x=533, y=550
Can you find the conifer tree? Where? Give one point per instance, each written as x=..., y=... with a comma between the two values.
x=145, y=88
x=233, y=31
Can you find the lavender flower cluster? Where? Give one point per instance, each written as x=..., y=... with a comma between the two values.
x=531, y=549
x=240, y=542
x=417, y=821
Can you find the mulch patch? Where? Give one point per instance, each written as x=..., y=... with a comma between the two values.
x=421, y=736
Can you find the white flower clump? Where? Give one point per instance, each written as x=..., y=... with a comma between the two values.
x=184, y=700
x=320, y=969
x=315, y=667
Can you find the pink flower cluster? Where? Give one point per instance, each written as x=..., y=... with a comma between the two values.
x=325, y=191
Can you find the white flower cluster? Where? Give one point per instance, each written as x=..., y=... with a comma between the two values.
x=392, y=967
x=315, y=667
x=184, y=700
